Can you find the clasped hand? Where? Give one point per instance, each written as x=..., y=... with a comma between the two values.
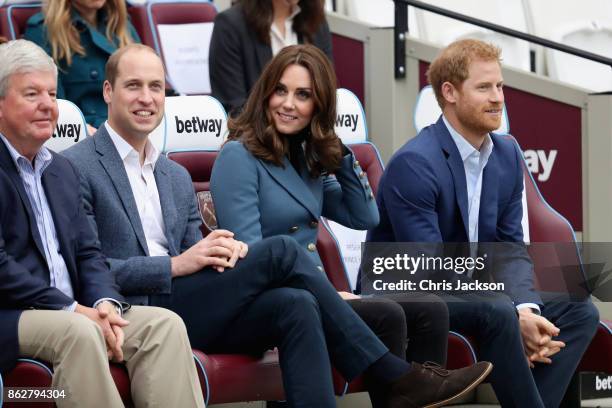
x=538, y=333
x=111, y=324
x=219, y=250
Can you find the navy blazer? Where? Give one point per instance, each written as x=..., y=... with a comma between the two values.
x=24, y=274
x=422, y=197
x=111, y=208
x=257, y=199
x=237, y=57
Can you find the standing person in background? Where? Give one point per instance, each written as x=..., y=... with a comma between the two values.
x=80, y=35
x=247, y=36
x=273, y=178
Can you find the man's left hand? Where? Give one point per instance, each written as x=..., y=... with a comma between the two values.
x=107, y=310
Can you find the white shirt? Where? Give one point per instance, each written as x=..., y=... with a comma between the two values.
x=277, y=41
x=474, y=162
x=144, y=188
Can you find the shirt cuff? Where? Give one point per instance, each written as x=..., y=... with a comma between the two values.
x=70, y=308
x=532, y=306
x=115, y=303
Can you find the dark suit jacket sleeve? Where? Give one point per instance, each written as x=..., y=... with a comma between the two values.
x=346, y=200
x=409, y=193
x=234, y=186
x=323, y=40
x=20, y=289
x=227, y=67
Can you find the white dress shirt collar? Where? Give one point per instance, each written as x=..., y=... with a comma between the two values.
x=125, y=149
x=465, y=148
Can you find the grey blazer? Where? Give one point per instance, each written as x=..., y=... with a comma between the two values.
x=111, y=208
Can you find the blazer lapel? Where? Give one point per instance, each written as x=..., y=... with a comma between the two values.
x=51, y=180
x=166, y=198
x=299, y=188
x=6, y=161
x=487, y=219
x=113, y=165
x=455, y=164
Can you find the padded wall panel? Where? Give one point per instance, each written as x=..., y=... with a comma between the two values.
x=350, y=64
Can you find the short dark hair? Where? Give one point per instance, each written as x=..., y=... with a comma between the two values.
x=111, y=70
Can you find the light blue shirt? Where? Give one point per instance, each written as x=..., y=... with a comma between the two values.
x=474, y=162
x=31, y=176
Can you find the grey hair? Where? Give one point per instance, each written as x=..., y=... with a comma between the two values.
x=20, y=56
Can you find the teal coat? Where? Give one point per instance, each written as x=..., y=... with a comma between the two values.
x=257, y=199
x=82, y=81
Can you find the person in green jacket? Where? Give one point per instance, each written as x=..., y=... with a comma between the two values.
x=80, y=35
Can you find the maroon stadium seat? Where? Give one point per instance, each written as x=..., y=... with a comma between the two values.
x=146, y=18
x=13, y=19
x=28, y=373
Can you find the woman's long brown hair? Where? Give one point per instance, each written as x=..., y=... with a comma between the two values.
x=254, y=126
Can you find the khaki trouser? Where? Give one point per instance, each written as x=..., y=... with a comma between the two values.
x=156, y=350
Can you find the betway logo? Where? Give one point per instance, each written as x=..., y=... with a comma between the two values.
x=197, y=125
x=603, y=383
x=346, y=120
x=68, y=130
x=539, y=163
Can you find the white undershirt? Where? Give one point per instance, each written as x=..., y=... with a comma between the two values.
x=277, y=41
x=144, y=188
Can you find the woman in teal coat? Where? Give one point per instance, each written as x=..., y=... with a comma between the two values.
x=80, y=35
x=284, y=167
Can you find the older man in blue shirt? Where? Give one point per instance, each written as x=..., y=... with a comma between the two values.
x=58, y=299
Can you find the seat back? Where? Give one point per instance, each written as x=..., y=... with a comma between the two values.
x=180, y=32
x=195, y=130
x=556, y=257
x=71, y=127
x=14, y=16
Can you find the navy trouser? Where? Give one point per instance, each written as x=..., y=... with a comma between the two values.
x=277, y=296
x=492, y=319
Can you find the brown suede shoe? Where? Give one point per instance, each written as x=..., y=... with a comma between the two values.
x=431, y=386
